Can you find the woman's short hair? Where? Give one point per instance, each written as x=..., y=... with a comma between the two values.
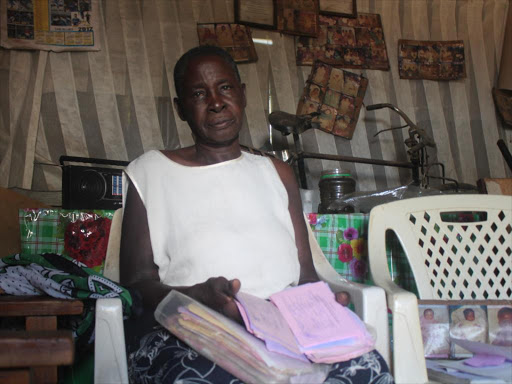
x=203, y=50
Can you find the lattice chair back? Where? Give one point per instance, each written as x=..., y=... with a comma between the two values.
x=458, y=247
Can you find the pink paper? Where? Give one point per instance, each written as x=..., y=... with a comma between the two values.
x=316, y=318
x=266, y=322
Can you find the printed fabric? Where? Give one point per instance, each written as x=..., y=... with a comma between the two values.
x=61, y=277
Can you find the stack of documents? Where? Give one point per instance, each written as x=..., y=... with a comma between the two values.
x=301, y=328
x=306, y=322
x=229, y=345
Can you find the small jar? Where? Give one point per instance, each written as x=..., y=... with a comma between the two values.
x=334, y=185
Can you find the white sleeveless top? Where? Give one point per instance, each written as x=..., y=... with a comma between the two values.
x=229, y=219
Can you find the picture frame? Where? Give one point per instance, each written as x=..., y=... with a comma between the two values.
x=236, y=39
x=297, y=17
x=344, y=8
x=344, y=42
x=431, y=60
x=337, y=95
x=256, y=13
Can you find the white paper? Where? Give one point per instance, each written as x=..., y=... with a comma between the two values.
x=501, y=372
x=484, y=349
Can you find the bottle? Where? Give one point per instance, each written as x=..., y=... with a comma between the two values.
x=334, y=185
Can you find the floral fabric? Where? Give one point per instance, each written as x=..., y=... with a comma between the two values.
x=62, y=277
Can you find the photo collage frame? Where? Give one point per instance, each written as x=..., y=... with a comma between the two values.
x=297, y=17
x=346, y=42
x=337, y=95
x=431, y=60
x=236, y=39
x=486, y=322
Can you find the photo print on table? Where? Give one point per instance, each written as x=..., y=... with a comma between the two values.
x=467, y=322
x=435, y=330
x=500, y=325
x=337, y=95
x=236, y=39
x=346, y=42
x=431, y=60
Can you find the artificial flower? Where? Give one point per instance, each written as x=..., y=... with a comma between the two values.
x=358, y=268
x=357, y=247
x=351, y=234
x=345, y=253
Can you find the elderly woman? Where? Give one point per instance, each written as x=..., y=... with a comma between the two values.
x=209, y=220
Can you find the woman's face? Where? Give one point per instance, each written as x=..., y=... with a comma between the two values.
x=213, y=101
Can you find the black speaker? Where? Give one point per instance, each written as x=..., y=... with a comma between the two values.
x=86, y=187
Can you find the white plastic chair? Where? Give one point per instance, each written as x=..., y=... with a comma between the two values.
x=449, y=261
x=110, y=356
x=110, y=365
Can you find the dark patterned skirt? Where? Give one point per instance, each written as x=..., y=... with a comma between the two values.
x=156, y=356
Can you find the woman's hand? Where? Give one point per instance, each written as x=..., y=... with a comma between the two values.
x=219, y=294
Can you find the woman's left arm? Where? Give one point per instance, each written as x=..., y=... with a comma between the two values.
x=307, y=268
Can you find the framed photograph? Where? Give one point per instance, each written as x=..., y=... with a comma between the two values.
x=256, y=13
x=337, y=95
x=345, y=8
x=297, y=17
x=346, y=42
x=431, y=60
x=236, y=39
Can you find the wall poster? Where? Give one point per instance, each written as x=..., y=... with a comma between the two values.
x=50, y=25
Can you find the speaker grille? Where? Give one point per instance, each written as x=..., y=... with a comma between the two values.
x=91, y=187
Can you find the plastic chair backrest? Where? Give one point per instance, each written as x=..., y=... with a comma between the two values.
x=111, y=269
x=458, y=246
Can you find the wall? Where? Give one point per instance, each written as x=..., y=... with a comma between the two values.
x=116, y=103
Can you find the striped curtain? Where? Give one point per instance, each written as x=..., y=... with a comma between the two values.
x=117, y=103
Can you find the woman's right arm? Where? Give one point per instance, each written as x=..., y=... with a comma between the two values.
x=138, y=270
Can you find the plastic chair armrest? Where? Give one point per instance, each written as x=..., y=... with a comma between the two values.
x=408, y=356
x=109, y=349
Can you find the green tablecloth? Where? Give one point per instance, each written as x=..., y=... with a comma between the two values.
x=343, y=239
